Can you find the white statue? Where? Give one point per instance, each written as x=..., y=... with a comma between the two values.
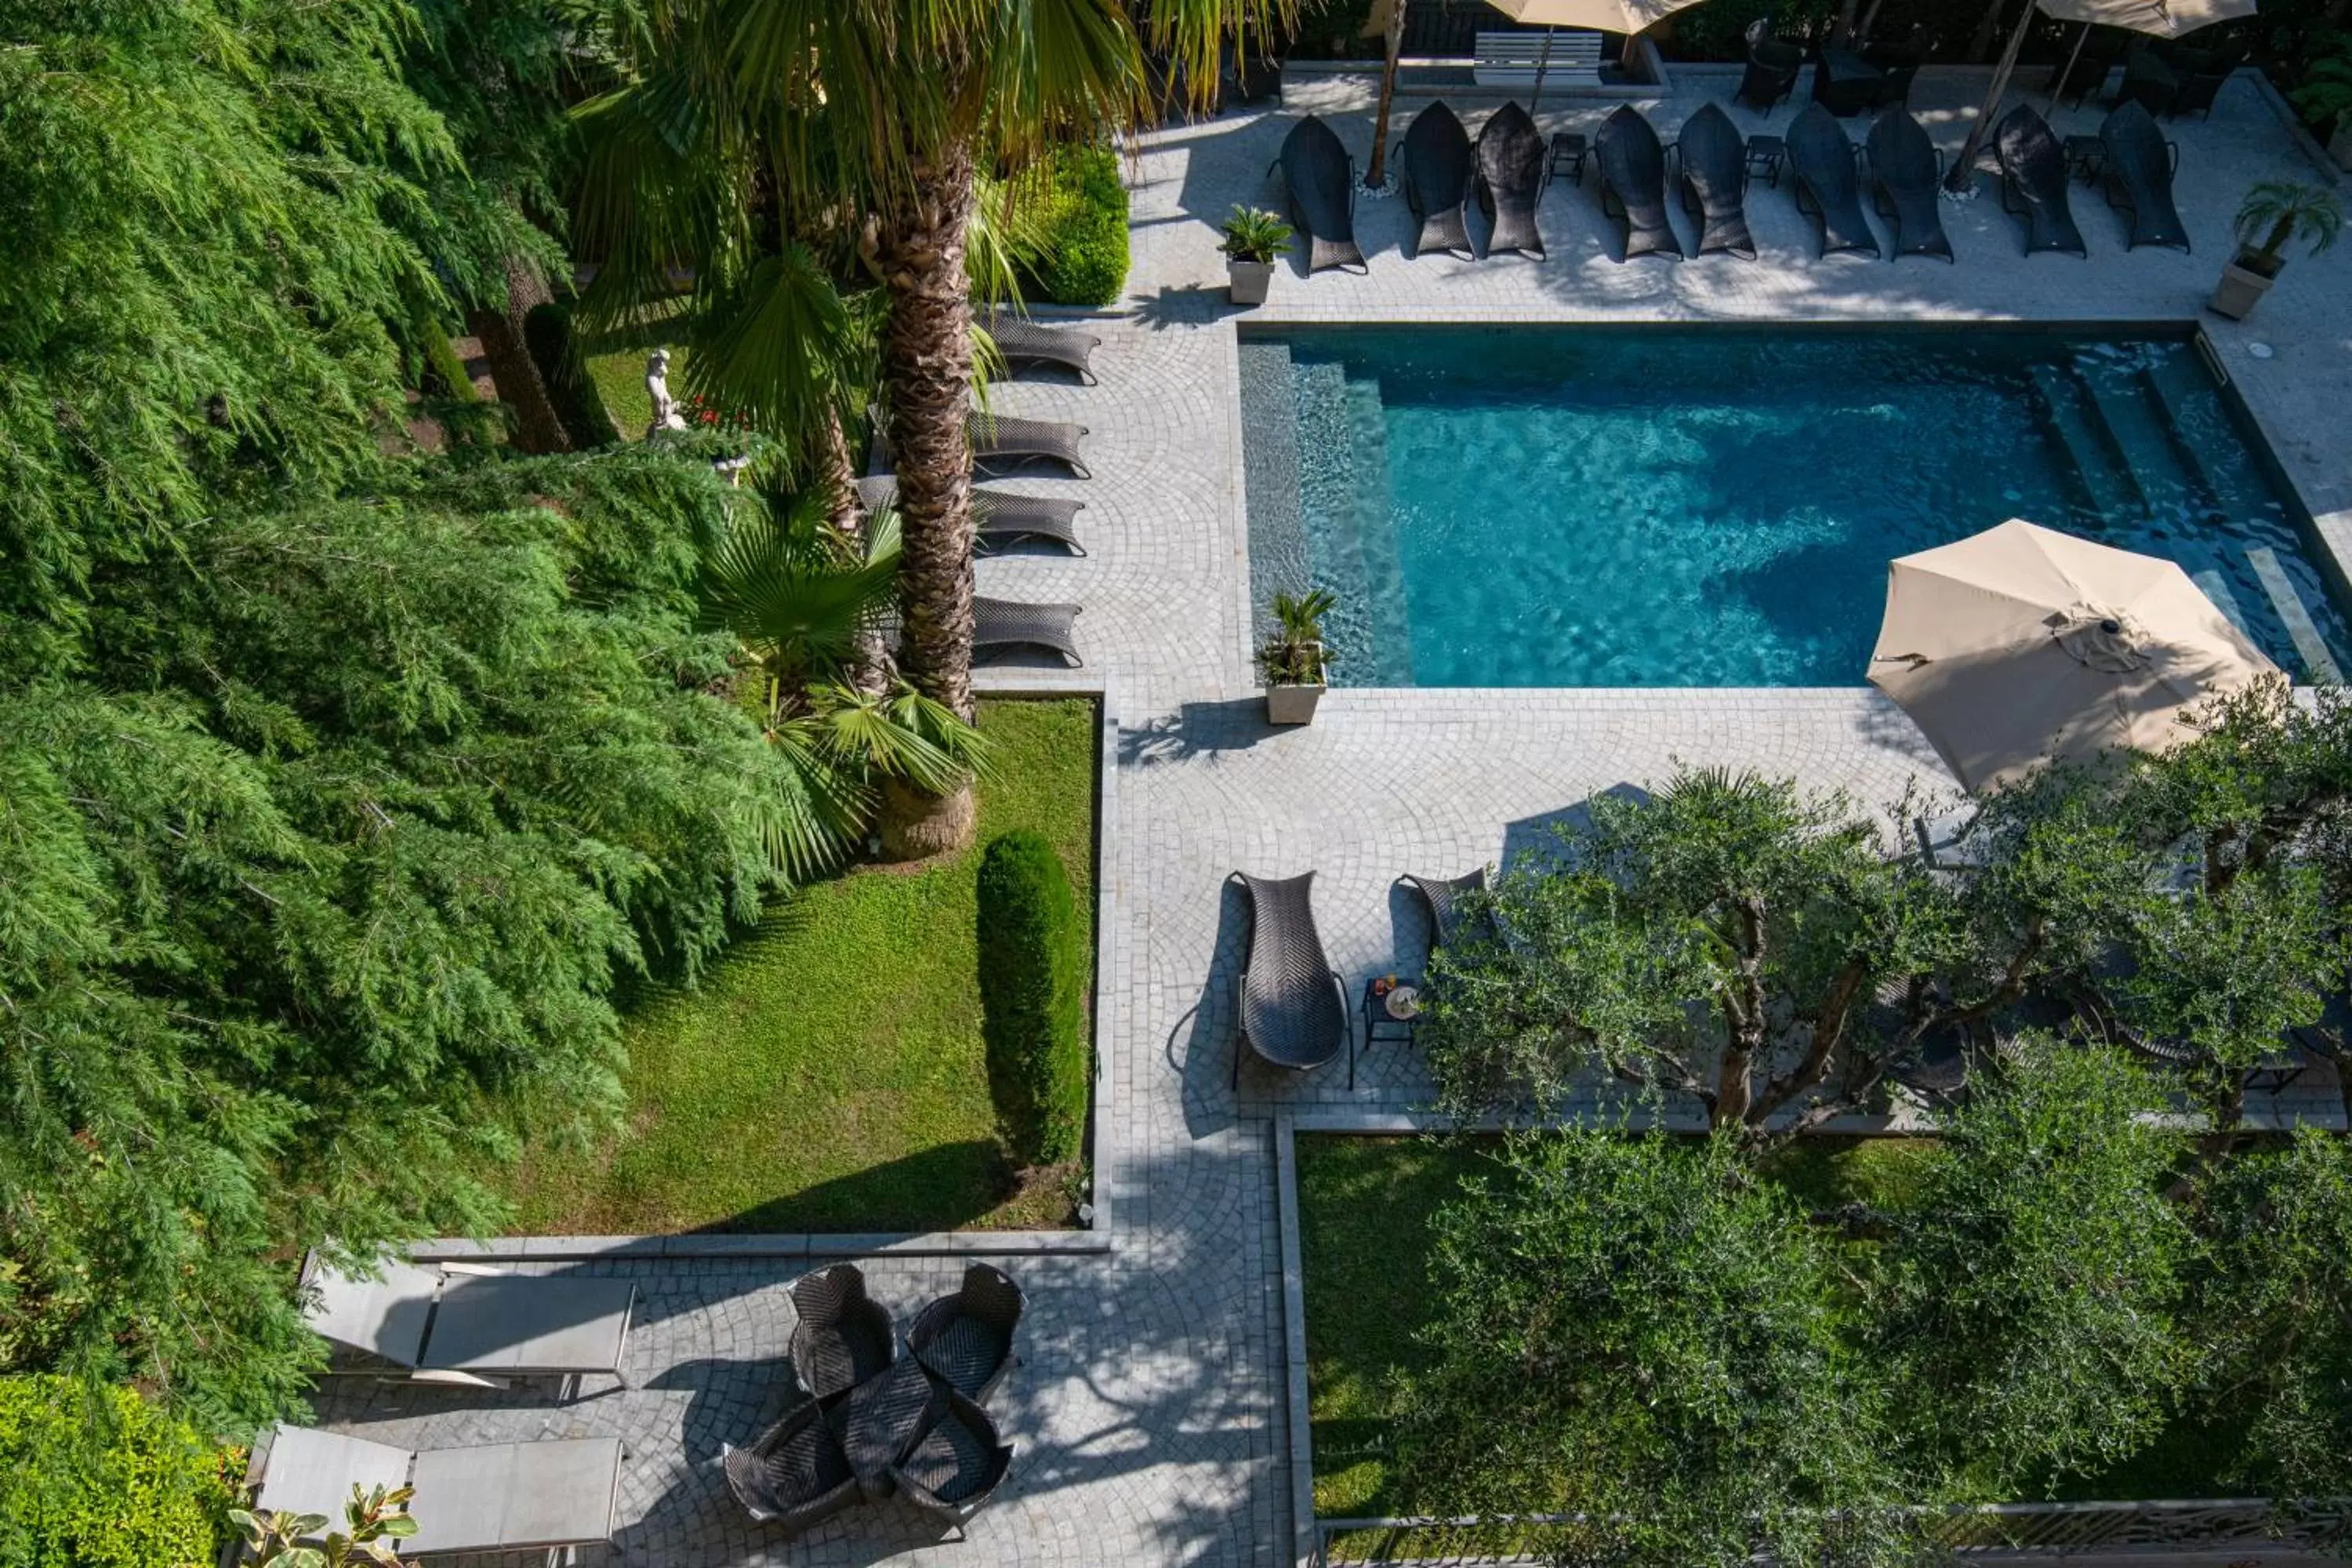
x=665, y=414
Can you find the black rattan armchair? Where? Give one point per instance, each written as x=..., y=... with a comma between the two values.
x=966, y=1340
x=1771, y=75
x=957, y=1465
x=795, y=1476
x=843, y=1336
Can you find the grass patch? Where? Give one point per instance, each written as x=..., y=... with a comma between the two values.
x=828, y=1074
x=616, y=364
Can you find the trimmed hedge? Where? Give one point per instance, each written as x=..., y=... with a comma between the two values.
x=547, y=332
x=1084, y=261
x=1033, y=1008
x=96, y=1478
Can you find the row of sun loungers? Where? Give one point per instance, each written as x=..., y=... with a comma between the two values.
x=1898, y=167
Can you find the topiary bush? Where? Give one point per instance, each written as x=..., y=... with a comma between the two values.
x=547, y=331
x=1032, y=963
x=96, y=1478
x=1084, y=260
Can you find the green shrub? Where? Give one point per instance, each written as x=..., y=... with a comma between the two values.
x=444, y=372
x=96, y=1478
x=1031, y=958
x=547, y=329
x=1084, y=258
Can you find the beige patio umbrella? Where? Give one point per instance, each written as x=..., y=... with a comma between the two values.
x=2022, y=644
x=1626, y=16
x=2156, y=18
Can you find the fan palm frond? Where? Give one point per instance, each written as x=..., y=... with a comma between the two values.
x=792, y=592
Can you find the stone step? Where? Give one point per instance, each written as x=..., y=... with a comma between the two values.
x=1390, y=650
x=2100, y=481
x=1277, y=530
x=1328, y=498
x=2135, y=433
x=2319, y=664
x=2208, y=440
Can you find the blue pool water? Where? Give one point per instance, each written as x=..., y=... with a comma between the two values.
x=1564, y=505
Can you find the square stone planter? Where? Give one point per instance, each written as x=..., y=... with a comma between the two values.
x=2240, y=290
x=1247, y=282
x=1292, y=704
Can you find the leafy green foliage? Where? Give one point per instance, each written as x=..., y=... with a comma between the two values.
x=336, y=861
x=547, y=329
x=1081, y=246
x=1032, y=986
x=1253, y=233
x=376, y=1520
x=2033, y=1279
x=1633, y=1330
x=99, y=1478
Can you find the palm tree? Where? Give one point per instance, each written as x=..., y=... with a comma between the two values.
x=862, y=131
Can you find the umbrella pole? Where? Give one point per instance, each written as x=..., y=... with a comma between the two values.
x=1543, y=61
x=2058, y=82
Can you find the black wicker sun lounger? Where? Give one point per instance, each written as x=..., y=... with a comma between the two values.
x=1020, y=342
x=2140, y=166
x=1435, y=154
x=1443, y=898
x=1294, y=1013
x=1000, y=441
x=1905, y=169
x=1511, y=178
x=2033, y=181
x=1001, y=624
x=1714, y=180
x=1827, y=182
x=997, y=515
x=1322, y=180
x=1633, y=182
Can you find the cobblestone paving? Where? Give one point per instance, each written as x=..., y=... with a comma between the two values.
x=1149, y=1415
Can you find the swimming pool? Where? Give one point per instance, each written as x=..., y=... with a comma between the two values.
x=1715, y=506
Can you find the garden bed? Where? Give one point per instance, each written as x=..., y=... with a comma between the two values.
x=827, y=1075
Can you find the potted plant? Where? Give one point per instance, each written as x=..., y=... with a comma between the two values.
x=2277, y=210
x=1254, y=238
x=2325, y=99
x=1292, y=660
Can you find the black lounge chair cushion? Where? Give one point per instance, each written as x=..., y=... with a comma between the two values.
x=2033, y=181
x=965, y=1340
x=1020, y=341
x=1292, y=1012
x=998, y=624
x=1511, y=176
x=2139, y=176
x=1822, y=158
x=1905, y=171
x=1322, y=180
x=843, y=1336
x=795, y=1476
x=996, y=514
x=1634, y=179
x=1437, y=167
x=1713, y=160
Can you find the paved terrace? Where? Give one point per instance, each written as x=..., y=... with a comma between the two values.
x=1149, y=1415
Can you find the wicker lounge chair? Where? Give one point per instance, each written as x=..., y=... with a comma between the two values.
x=1712, y=175
x=997, y=515
x=1827, y=182
x=957, y=1465
x=1898, y=66
x=966, y=1340
x=1633, y=182
x=2092, y=65
x=1435, y=154
x=999, y=624
x=2140, y=164
x=471, y=1326
x=795, y=1476
x=534, y=1497
x=2033, y=181
x=1293, y=1012
x=1443, y=899
x=1905, y=170
x=1020, y=341
x=1771, y=75
x=1322, y=180
x=998, y=441
x=1512, y=173
x=843, y=1336
x=2202, y=76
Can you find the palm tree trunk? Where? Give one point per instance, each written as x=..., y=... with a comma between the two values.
x=1964, y=167
x=1377, y=175
x=537, y=429
x=927, y=368
x=870, y=668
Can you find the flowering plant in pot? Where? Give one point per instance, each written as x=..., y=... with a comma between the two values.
x=2273, y=214
x=1292, y=660
x=1254, y=238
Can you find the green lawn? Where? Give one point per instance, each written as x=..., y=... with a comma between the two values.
x=616, y=364
x=828, y=1073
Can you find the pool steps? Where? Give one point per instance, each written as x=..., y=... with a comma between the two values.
x=1277, y=529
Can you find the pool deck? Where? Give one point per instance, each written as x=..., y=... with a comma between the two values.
x=1151, y=1415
